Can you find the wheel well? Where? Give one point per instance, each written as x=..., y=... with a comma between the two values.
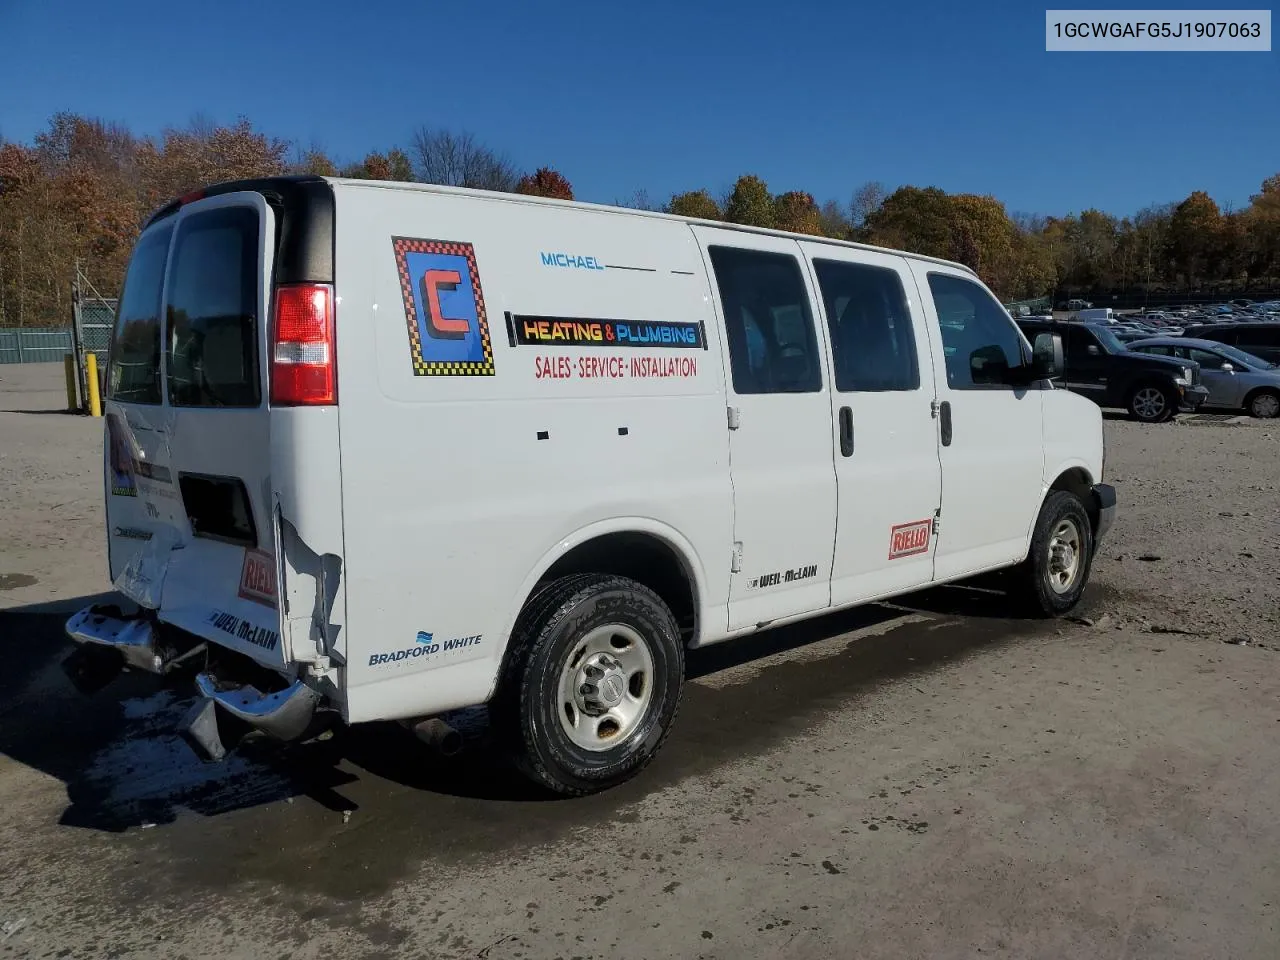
x=1078, y=482
x=641, y=557
x=1248, y=397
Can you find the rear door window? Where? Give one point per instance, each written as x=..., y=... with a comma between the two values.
x=212, y=310
x=134, y=375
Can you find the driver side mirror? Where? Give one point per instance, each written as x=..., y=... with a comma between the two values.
x=1227, y=368
x=1046, y=356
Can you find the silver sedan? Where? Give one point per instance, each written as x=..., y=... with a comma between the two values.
x=1234, y=378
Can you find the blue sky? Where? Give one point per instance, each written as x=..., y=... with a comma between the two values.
x=669, y=96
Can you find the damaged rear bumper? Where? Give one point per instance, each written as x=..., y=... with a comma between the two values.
x=225, y=712
x=109, y=640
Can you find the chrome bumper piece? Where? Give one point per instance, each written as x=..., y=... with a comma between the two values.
x=109, y=640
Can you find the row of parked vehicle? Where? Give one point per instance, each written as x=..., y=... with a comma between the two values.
x=1227, y=365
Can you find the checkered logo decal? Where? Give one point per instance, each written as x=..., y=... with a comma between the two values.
x=444, y=308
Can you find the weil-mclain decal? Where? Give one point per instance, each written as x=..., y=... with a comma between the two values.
x=910, y=539
x=538, y=331
x=444, y=308
x=767, y=580
x=234, y=626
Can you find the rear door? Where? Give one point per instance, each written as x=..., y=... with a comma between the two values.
x=189, y=499
x=888, y=471
x=780, y=430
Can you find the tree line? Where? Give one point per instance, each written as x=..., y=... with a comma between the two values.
x=80, y=191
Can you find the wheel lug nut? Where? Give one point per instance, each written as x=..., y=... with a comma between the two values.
x=587, y=689
x=592, y=672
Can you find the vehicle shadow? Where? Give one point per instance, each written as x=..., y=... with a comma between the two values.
x=124, y=766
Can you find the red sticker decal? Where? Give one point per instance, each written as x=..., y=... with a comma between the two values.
x=910, y=539
x=258, y=577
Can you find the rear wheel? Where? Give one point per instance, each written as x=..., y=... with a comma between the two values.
x=1265, y=404
x=1150, y=403
x=593, y=683
x=1057, y=568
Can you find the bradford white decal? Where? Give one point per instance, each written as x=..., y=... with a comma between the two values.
x=910, y=539
x=426, y=647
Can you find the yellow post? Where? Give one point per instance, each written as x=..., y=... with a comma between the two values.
x=91, y=372
x=69, y=362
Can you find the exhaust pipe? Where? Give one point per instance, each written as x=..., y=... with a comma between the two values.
x=438, y=735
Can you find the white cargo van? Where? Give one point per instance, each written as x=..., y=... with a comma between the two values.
x=380, y=451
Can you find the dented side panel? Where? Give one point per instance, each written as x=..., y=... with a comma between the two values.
x=306, y=498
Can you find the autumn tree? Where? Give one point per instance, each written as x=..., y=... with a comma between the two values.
x=392, y=165
x=545, y=182
x=914, y=219
x=797, y=212
x=750, y=203
x=695, y=203
x=1262, y=220
x=1193, y=232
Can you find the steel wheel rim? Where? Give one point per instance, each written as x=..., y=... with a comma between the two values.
x=1064, y=556
x=1148, y=402
x=606, y=687
x=1267, y=405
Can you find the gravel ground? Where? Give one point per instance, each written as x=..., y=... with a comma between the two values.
x=928, y=778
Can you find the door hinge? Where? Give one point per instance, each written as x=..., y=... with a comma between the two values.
x=934, y=407
x=735, y=562
x=735, y=417
x=937, y=522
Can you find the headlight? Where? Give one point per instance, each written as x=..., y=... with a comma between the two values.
x=1186, y=373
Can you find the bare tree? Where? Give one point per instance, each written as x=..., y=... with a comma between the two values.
x=867, y=199
x=639, y=200
x=459, y=160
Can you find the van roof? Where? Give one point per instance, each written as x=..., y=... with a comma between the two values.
x=631, y=211
x=290, y=184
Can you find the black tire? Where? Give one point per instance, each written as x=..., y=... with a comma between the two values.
x=1139, y=405
x=1036, y=574
x=1263, y=404
x=527, y=709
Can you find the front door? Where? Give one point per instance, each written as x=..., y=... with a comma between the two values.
x=780, y=433
x=1086, y=364
x=1223, y=385
x=888, y=471
x=991, y=432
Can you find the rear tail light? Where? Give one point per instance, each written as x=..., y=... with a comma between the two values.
x=304, y=360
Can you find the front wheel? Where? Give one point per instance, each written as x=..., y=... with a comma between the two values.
x=1149, y=403
x=1264, y=404
x=593, y=683
x=1057, y=568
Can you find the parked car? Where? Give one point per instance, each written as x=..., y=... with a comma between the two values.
x=1098, y=365
x=1260, y=338
x=1234, y=379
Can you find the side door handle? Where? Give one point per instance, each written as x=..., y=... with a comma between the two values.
x=846, y=432
x=944, y=420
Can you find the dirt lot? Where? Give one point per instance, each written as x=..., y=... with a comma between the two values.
x=923, y=779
